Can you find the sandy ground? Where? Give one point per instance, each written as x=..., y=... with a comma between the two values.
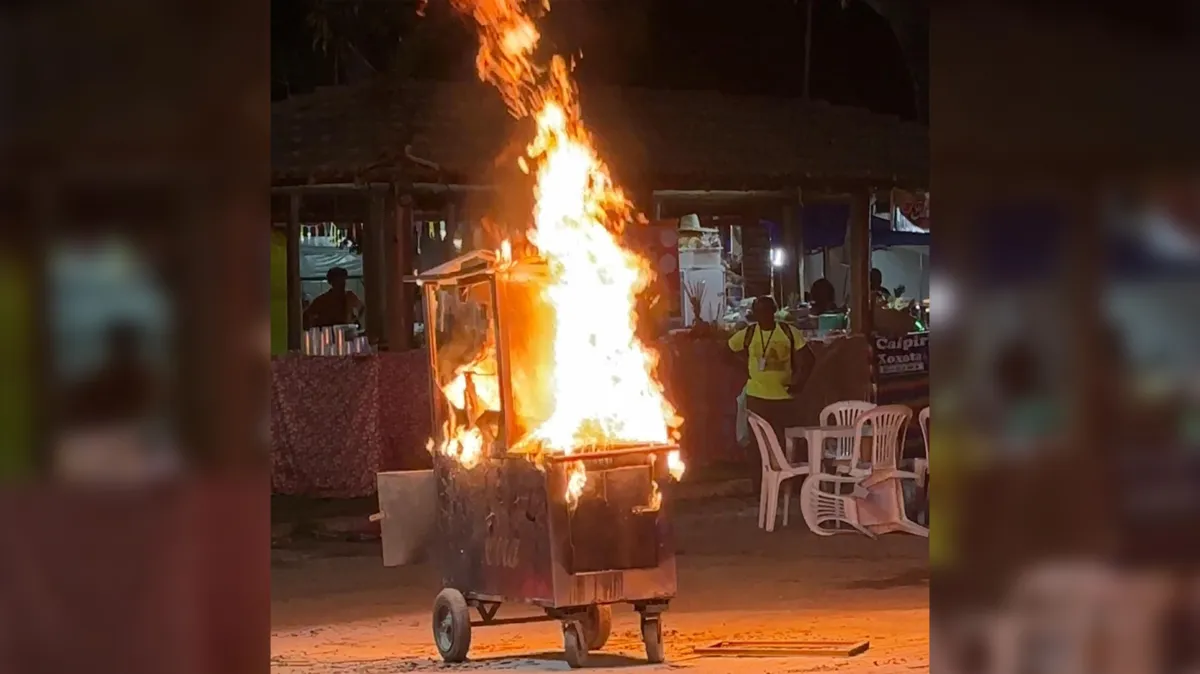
x=337, y=609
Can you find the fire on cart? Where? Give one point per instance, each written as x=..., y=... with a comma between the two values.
x=538, y=503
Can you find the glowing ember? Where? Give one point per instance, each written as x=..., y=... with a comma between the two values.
x=465, y=446
x=597, y=387
x=675, y=465
x=655, y=501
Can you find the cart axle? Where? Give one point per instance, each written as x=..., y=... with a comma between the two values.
x=513, y=621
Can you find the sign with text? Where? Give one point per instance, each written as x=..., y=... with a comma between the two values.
x=904, y=355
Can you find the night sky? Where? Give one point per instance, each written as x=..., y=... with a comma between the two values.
x=754, y=47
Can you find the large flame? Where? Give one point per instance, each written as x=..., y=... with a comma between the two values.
x=597, y=386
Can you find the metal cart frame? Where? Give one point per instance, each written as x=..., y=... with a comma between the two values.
x=506, y=532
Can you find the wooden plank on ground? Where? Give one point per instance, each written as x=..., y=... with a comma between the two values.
x=782, y=649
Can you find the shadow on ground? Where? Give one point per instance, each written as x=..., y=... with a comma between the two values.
x=552, y=661
x=547, y=661
x=911, y=578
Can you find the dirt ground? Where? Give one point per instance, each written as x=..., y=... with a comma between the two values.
x=335, y=608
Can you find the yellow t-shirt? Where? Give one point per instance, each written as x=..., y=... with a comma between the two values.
x=770, y=363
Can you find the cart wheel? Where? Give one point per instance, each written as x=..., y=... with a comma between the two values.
x=652, y=637
x=574, y=647
x=451, y=625
x=597, y=626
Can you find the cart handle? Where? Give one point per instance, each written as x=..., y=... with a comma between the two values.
x=609, y=454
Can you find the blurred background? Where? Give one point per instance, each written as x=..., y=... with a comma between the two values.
x=1065, y=367
x=133, y=337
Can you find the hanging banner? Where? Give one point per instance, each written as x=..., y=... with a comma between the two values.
x=914, y=206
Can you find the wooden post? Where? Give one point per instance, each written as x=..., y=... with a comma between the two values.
x=406, y=264
x=450, y=215
x=790, y=282
x=373, y=267
x=393, y=276
x=295, y=299
x=756, y=255
x=35, y=358
x=798, y=206
x=858, y=243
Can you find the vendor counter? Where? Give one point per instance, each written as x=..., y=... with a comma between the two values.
x=338, y=420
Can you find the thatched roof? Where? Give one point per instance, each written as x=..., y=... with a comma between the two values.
x=669, y=139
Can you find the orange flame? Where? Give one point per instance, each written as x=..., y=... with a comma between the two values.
x=596, y=385
x=464, y=445
x=484, y=381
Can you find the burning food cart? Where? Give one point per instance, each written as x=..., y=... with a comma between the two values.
x=564, y=516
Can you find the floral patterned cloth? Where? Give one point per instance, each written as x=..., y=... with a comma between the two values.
x=337, y=420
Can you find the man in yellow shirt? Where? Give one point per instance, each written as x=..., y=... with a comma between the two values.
x=777, y=364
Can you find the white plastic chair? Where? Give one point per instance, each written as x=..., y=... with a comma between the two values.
x=921, y=466
x=885, y=513
x=819, y=507
x=843, y=413
x=884, y=483
x=888, y=425
x=775, y=471
x=923, y=422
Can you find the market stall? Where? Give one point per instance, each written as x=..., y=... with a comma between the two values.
x=330, y=165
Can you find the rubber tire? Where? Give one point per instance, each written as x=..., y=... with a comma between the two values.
x=574, y=648
x=652, y=638
x=452, y=603
x=597, y=626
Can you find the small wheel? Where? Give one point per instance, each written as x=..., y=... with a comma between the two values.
x=574, y=647
x=597, y=626
x=451, y=625
x=652, y=637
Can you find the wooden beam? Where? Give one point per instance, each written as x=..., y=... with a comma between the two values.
x=858, y=244
x=720, y=195
x=295, y=298
x=329, y=188
x=439, y=188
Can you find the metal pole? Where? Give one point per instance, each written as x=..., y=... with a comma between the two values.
x=807, y=44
